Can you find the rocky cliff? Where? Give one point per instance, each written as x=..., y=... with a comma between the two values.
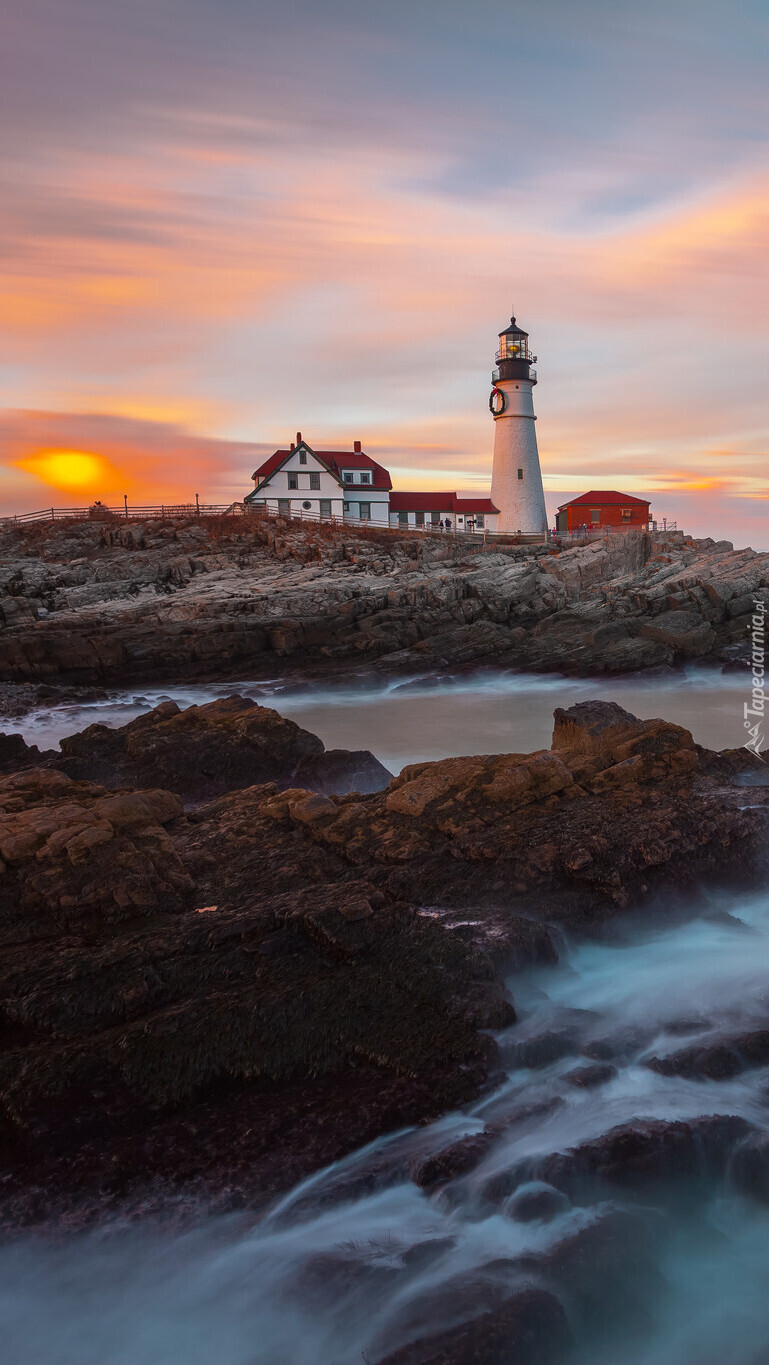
x=92, y=603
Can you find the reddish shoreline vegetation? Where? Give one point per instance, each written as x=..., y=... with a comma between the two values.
x=231, y=958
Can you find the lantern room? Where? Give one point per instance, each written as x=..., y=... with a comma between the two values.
x=514, y=357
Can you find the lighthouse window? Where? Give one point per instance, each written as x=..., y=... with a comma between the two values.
x=520, y=473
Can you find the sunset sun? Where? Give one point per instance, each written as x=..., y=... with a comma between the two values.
x=70, y=470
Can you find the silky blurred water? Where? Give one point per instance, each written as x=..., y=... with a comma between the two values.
x=243, y=1290
x=415, y=720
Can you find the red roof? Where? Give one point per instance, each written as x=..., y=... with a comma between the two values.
x=602, y=498
x=439, y=502
x=474, y=505
x=422, y=502
x=334, y=460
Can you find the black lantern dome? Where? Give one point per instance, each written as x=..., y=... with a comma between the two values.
x=514, y=358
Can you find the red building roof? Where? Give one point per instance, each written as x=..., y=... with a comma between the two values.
x=475, y=505
x=439, y=502
x=334, y=460
x=603, y=498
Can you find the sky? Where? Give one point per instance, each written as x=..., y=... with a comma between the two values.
x=224, y=221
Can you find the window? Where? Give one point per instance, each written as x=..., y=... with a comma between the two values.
x=420, y=517
x=595, y=514
x=293, y=480
x=403, y=518
x=325, y=507
x=348, y=476
x=284, y=505
x=479, y=521
x=364, y=511
x=315, y=481
x=365, y=476
x=520, y=473
x=435, y=518
x=627, y=513
x=307, y=505
x=345, y=507
x=303, y=457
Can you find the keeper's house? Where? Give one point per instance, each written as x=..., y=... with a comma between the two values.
x=602, y=509
x=322, y=483
x=348, y=483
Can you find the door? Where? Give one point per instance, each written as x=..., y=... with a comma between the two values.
x=325, y=507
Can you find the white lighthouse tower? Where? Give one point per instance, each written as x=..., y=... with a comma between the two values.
x=516, y=478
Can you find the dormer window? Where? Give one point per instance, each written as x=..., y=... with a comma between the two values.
x=365, y=476
x=348, y=476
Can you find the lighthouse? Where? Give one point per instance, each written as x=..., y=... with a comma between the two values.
x=516, y=478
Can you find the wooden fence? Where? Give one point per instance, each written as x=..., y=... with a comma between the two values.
x=192, y=510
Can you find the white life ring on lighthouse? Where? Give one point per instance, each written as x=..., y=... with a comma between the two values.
x=497, y=402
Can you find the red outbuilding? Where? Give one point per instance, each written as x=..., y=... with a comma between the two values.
x=602, y=509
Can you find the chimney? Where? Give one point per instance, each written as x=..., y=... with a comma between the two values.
x=292, y=446
x=299, y=438
x=356, y=447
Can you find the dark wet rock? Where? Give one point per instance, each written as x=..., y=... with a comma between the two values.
x=588, y=1077
x=205, y=751
x=631, y=1157
x=15, y=753
x=453, y=1161
x=346, y=1275
x=618, y=1047
x=530, y=1328
x=541, y=1051
x=342, y=771
x=716, y=1061
x=536, y=1203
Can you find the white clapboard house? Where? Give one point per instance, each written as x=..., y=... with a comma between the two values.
x=322, y=483
x=302, y=481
